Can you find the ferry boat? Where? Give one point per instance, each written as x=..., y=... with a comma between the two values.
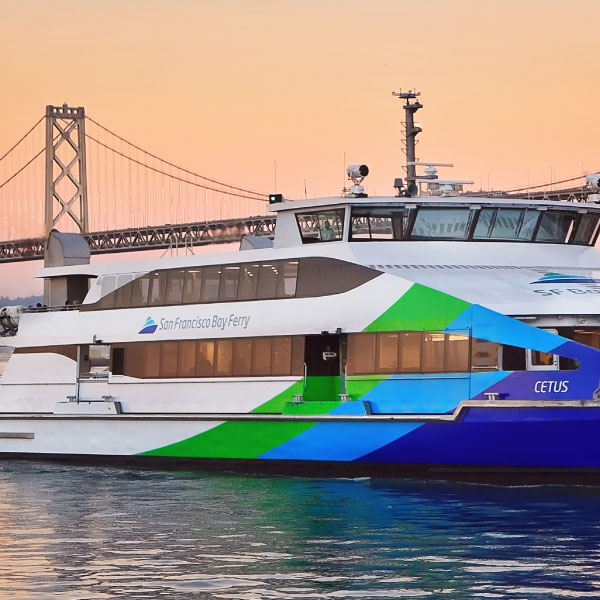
x=428, y=333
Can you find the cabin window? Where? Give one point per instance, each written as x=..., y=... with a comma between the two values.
x=242, y=357
x=192, y=286
x=186, y=365
x=210, y=284
x=205, y=358
x=433, y=352
x=248, y=282
x=587, y=229
x=387, y=352
x=139, y=290
x=99, y=359
x=306, y=277
x=589, y=338
x=174, y=292
x=281, y=355
x=361, y=353
x=407, y=352
x=123, y=292
x=267, y=281
x=378, y=224
x=224, y=358
x=457, y=353
x=107, y=299
x=484, y=355
x=321, y=226
x=541, y=359
x=230, y=276
x=288, y=276
x=158, y=286
x=555, y=227
x=410, y=351
x=168, y=359
x=261, y=357
x=442, y=223
x=506, y=224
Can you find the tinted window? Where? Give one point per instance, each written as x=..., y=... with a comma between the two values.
x=168, y=359
x=242, y=357
x=261, y=359
x=304, y=277
x=457, y=353
x=484, y=355
x=320, y=277
x=210, y=284
x=321, y=226
x=224, y=358
x=205, y=358
x=139, y=290
x=442, y=223
x=267, y=280
x=555, y=227
x=286, y=282
x=158, y=285
x=281, y=357
x=192, y=286
x=587, y=229
x=410, y=351
x=248, y=282
x=123, y=292
x=187, y=359
x=361, y=353
x=174, y=292
x=230, y=276
x=378, y=224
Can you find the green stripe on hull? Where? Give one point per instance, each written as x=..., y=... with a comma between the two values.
x=234, y=439
x=420, y=309
x=243, y=439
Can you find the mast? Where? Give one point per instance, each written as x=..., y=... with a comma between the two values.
x=410, y=134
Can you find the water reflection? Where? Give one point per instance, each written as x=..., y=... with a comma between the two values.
x=76, y=532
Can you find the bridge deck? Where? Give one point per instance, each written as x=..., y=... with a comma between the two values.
x=150, y=238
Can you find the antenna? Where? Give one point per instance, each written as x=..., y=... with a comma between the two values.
x=411, y=130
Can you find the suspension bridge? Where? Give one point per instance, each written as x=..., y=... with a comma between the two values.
x=72, y=173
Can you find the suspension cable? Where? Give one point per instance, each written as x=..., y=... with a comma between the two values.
x=233, y=187
x=204, y=187
x=541, y=185
x=21, y=169
x=9, y=151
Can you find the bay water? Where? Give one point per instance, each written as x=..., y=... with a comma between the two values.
x=98, y=532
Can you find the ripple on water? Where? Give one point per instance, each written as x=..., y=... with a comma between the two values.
x=95, y=533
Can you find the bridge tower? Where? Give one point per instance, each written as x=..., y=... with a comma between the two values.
x=66, y=173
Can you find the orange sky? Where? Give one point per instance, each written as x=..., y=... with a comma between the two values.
x=226, y=87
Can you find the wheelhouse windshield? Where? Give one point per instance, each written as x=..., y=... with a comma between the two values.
x=509, y=224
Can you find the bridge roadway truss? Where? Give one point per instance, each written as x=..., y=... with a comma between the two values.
x=150, y=238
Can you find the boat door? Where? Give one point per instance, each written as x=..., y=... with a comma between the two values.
x=322, y=360
x=542, y=361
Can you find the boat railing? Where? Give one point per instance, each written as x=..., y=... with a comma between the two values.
x=43, y=308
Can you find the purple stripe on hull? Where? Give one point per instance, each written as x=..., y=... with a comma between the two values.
x=546, y=437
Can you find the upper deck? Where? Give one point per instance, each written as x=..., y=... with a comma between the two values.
x=431, y=219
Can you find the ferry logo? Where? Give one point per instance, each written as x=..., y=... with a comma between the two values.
x=149, y=326
x=562, y=278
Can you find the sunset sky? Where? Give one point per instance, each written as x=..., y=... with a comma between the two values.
x=227, y=87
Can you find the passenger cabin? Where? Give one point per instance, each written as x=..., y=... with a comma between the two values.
x=487, y=251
